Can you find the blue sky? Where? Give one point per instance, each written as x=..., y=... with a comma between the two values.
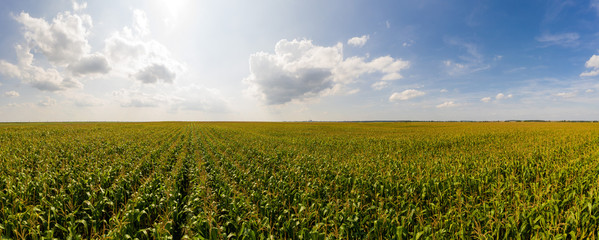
x=298, y=60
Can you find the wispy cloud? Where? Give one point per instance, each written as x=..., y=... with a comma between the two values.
x=566, y=94
x=595, y=5
x=471, y=62
x=563, y=39
x=555, y=7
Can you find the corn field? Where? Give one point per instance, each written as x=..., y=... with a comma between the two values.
x=179, y=180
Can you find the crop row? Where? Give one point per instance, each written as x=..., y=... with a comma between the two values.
x=299, y=180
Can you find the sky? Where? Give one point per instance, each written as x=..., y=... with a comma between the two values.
x=291, y=60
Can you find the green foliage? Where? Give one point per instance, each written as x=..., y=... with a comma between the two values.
x=299, y=180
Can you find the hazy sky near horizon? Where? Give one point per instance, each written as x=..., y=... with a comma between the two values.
x=279, y=60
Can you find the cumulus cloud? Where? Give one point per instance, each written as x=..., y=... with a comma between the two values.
x=299, y=69
x=11, y=94
x=154, y=73
x=389, y=66
x=443, y=90
x=122, y=46
x=358, y=41
x=63, y=41
x=43, y=79
x=593, y=63
x=145, y=60
x=9, y=69
x=447, y=104
x=501, y=96
x=485, y=99
x=405, y=95
x=562, y=39
x=91, y=64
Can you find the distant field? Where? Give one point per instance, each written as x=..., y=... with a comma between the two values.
x=299, y=180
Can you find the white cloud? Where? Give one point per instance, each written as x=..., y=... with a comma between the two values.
x=299, y=69
x=9, y=69
x=379, y=85
x=443, y=90
x=47, y=102
x=56, y=55
x=593, y=63
x=11, y=94
x=358, y=41
x=501, y=96
x=562, y=39
x=567, y=94
x=123, y=46
x=405, y=95
x=146, y=60
x=485, y=99
x=447, y=104
x=79, y=6
x=391, y=67
x=408, y=43
x=40, y=78
x=589, y=91
x=140, y=22
x=63, y=41
x=64, y=44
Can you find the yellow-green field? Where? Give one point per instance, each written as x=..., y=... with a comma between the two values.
x=299, y=180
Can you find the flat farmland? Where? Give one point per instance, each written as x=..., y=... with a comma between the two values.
x=251, y=180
